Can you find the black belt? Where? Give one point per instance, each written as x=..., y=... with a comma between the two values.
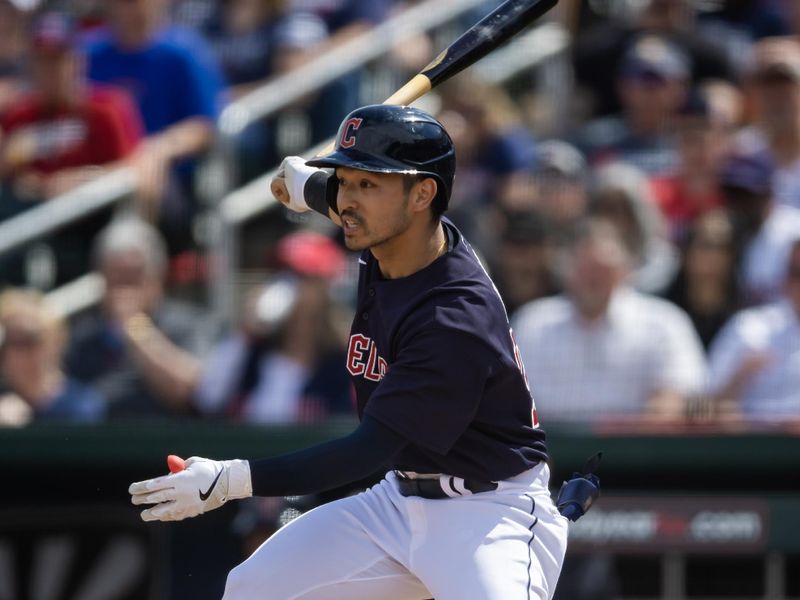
x=433, y=488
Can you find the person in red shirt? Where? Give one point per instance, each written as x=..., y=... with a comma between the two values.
x=704, y=128
x=66, y=131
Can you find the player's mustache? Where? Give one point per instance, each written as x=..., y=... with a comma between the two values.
x=349, y=214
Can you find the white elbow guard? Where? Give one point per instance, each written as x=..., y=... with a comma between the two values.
x=297, y=173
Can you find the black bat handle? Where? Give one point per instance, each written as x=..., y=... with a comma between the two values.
x=498, y=27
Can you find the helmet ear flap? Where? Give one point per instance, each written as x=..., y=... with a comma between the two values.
x=332, y=191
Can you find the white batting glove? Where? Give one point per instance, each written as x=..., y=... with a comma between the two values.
x=293, y=173
x=204, y=485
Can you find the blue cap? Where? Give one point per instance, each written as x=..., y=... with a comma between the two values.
x=749, y=171
x=655, y=56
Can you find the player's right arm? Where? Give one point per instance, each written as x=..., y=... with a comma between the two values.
x=301, y=188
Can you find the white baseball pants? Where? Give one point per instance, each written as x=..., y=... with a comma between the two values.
x=507, y=544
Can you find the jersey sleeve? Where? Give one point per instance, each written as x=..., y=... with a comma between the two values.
x=431, y=392
x=329, y=465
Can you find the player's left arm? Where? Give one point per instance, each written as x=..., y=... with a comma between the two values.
x=302, y=188
x=207, y=484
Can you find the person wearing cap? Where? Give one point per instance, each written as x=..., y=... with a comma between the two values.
x=765, y=228
x=653, y=82
x=599, y=50
x=704, y=127
x=64, y=133
x=283, y=363
x=561, y=178
x=775, y=88
x=67, y=131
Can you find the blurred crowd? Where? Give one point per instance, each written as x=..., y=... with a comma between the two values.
x=647, y=251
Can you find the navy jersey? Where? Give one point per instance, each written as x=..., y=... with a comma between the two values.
x=432, y=357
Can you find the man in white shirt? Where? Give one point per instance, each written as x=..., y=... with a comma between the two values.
x=755, y=361
x=603, y=350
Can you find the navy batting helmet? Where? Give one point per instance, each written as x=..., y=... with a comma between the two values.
x=383, y=138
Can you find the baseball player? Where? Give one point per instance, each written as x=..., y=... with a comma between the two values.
x=464, y=511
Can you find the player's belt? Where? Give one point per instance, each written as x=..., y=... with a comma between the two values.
x=442, y=486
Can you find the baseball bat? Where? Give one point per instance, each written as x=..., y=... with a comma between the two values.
x=495, y=29
x=499, y=26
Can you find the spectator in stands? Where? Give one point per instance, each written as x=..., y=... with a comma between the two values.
x=344, y=19
x=622, y=194
x=775, y=85
x=653, y=83
x=707, y=285
x=598, y=52
x=65, y=132
x=284, y=363
x=139, y=349
x=32, y=339
x=176, y=82
x=13, y=53
x=736, y=24
x=253, y=41
x=496, y=155
x=765, y=229
x=704, y=129
x=522, y=264
x=755, y=361
x=561, y=179
x=601, y=350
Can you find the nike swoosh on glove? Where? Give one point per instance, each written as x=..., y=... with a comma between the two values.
x=202, y=486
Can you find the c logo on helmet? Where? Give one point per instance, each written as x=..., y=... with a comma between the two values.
x=348, y=132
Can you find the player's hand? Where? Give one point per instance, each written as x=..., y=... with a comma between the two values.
x=287, y=186
x=204, y=485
